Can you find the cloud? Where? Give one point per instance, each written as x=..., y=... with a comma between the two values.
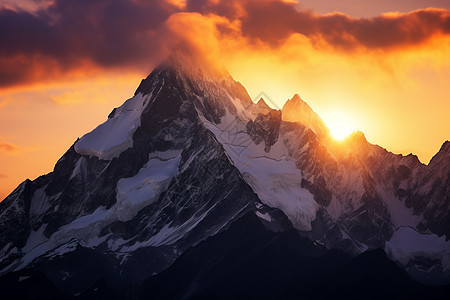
x=8, y=147
x=3, y=175
x=274, y=21
x=69, y=37
x=75, y=34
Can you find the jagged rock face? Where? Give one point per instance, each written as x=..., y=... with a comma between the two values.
x=433, y=193
x=351, y=207
x=187, y=157
x=265, y=128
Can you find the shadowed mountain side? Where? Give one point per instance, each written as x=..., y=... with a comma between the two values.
x=249, y=262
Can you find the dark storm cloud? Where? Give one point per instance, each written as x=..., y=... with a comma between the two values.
x=105, y=32
x=109, y=32
x=273, y=22
x=116, y=33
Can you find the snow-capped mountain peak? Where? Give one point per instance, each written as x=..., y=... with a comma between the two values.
x=188, y=157
x=297, y=110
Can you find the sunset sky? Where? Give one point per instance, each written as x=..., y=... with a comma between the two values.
x=382, y=67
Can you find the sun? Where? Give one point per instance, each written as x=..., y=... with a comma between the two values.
x=341, y=125
x=340, y=131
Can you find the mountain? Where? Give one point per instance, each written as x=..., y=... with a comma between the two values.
x=297, y=110
x=189, y=174
x=251, y=267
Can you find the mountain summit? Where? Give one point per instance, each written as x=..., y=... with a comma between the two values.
x=189, y=174
x=297, y=110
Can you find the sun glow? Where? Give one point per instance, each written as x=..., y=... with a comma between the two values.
x=341, y=125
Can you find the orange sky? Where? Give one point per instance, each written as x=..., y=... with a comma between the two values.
x=65, y=66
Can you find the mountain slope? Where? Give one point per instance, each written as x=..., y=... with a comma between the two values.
x=189, y=156
x=257, y=264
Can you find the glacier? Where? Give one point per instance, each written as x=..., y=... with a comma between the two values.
x=115, y=135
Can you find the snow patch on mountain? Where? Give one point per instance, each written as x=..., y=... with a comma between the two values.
x=145, y=187
x=115, y=135
x=40, y=203
x=36, y=238
x=407, y=243
x=133, y=194
x=63, y=249
x=278, y=184
x=348, y=195
x=400, y=214
x=264, y=216
x=78, y=167
x=273, y=175
x=99, y=214
x=168, y=234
